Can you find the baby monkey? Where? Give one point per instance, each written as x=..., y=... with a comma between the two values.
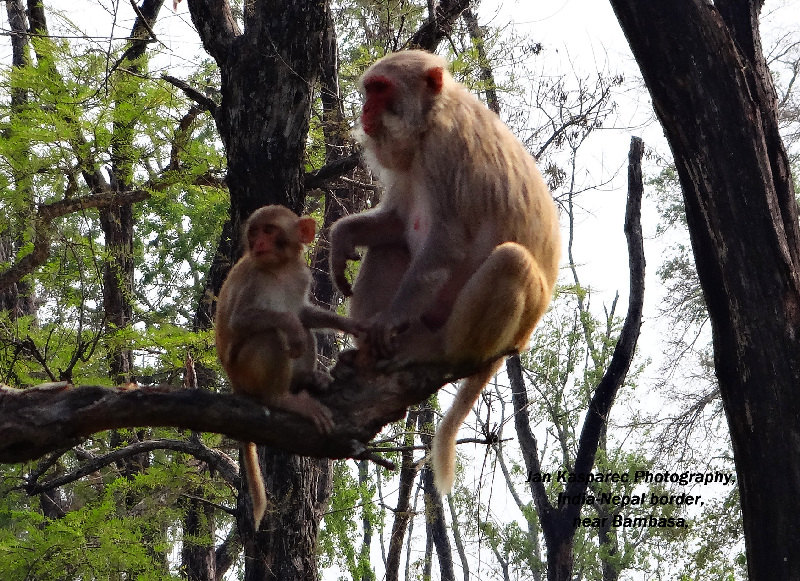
x=263, y=324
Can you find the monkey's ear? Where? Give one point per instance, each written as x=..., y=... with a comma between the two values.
x=434, y=77
x=306, y=229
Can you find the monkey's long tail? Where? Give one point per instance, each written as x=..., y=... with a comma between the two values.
x=443, y=452
x=255, y=482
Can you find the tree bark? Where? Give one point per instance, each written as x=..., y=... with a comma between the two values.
x=434, y=508
x=285, y=545
x=713, y=93
x=268, y=71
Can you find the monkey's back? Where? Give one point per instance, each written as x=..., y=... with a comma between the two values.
x=485, y=174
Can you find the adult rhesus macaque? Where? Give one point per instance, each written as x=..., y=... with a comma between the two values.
x=262, y=326
x=463, y=249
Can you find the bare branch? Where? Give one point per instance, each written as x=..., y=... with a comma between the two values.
x=331, y=171
x=46, y=213
x=220, y=462
x=202, y=100
x=143, y=20
x=555, y=520
x=434, y=31
x=604, y=394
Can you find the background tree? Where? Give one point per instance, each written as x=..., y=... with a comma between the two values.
x=713, y=93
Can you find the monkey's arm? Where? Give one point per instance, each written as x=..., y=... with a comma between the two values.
x=370, y=228
x=314, y=317
x=254, y=320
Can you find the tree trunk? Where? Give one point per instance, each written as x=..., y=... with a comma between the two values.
x=117, y=221
x=18, y=299
x=402, y=513
x=267, y=72
x=117, y=225
x=337, y=199
x=434, y=508
x=714, y=96
x=285, y=545
x=713, y=93
x=365, y=553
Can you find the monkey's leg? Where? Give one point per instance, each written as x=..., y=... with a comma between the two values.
x=305, y=405
x=498, y=307
x=262, y=367
x=496, y=310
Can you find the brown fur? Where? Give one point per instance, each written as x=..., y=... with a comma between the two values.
x=262, y=326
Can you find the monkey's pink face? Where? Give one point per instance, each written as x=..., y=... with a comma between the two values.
x=379, y=92
x=267, y=242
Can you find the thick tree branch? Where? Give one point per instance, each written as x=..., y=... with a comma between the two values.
x=557, y=521
x=36, y=17
x=39, y=420
x=432, y=32
x=207, y=103
x=216, y=26
x=476, y=33
x=606, y=391
x=333, y=170
x=527, y=441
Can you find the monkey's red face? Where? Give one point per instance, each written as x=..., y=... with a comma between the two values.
x=380, y=92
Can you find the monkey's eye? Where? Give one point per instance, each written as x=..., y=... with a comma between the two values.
x=377, y=85
x=271, y=229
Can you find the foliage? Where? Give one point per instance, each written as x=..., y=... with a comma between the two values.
x=75, y=115
x=111, y=526
x=340, y=533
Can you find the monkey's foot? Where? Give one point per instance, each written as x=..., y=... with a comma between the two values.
x=354, y=360
x=314, y=381
x=305, y=405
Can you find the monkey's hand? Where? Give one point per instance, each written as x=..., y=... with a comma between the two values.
x=382, y=335
x=353, y=327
